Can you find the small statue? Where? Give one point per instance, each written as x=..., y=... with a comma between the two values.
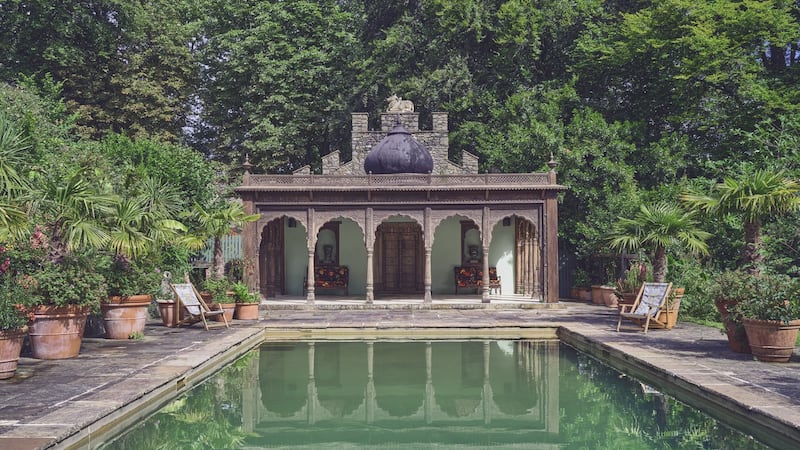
x=328, y=254
x=474, y=253
x=397, y=104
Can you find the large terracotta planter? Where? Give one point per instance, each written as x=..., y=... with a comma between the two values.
x=57, y=331
x=734, y=330
x=603, y=295
x=170, y=315
x=124, y=317
x=229, y=309
x=246, y=311
x=585, y=294
x=10, y=347
x=771, y=340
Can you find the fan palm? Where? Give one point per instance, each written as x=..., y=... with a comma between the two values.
x=657, y=228
x=74, y=213
x=140, y=223
x=752, y=197
x=12, y=147
x=216, y=223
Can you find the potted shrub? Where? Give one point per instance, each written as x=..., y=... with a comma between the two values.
x=14, y=320
x=65, y=293
x=727, y=289
x=770, y=309
x=581, y=286
x=221, y=295
x=131, y=284
x=247, y=302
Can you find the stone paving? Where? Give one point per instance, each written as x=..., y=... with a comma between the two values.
x=71, y=403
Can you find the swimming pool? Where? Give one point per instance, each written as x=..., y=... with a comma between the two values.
x=396, y=393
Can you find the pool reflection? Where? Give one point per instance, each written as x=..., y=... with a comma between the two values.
x=404, y=385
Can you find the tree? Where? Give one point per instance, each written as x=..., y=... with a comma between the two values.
x=278, y=81
x=658, y=228
x=752, y=197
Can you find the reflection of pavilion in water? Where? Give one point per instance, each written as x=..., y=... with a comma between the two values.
x=469, y=386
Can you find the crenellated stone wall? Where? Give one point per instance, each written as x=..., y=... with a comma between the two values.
x=436, y=140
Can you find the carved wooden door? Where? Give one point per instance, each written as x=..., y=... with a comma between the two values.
x=401, y=258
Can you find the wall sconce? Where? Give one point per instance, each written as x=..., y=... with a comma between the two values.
x=506, y=221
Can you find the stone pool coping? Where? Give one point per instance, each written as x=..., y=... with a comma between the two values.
x=74, y=403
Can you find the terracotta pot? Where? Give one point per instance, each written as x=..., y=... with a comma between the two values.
x=627, y=298
x=597, y=295
x=229, y=308
x=771, y=340
x=246, y=311
x=610, y=298
x=734, y=330
x=603, y=295
x=125, y=316
x=575, y=293
x=57, y=331
x=585, y=294
x=167, y=309
x=10, y=347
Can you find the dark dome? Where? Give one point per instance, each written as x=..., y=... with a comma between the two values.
x=398, y=152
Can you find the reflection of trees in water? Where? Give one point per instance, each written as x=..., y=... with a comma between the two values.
x=341, y=375
x=283, y=374
x=516, y=385
x=457, y=376
x=603, y=408
x=400, y=375
x=209, y=416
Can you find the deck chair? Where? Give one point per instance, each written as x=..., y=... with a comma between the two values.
x=650, y=302
x=195, y=308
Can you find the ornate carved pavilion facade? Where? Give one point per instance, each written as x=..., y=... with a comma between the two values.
x=405, y=234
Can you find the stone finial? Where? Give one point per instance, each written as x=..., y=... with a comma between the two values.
x=552, y=163
x=397, y=104
x=246, y=164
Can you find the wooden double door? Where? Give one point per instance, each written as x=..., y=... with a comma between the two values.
x=399, y=258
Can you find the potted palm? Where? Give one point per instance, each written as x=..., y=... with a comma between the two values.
x=221, y=295
x=770, y=310
x=132, y=283
x=247, y=302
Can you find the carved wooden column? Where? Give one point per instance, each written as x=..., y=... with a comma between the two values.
x=550, y=242
x=369, y=241
x=427, y=237
x=485, y=242
x=535, y=269
x=311, y=243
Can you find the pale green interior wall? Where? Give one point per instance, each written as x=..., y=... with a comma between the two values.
x=353, y=255
x=445, y=255
x=501, y=254
x=295, y=258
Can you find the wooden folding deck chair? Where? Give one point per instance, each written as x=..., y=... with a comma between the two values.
x=195, y=309
x=650, y=303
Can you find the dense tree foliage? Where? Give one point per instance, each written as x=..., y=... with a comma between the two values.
x=638, y=101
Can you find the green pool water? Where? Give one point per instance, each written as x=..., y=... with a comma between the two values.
x=439, y=394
